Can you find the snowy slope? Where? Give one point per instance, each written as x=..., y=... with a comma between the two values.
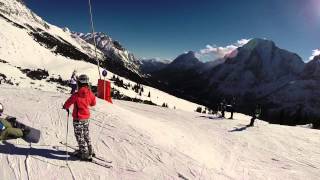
x=23, y=45
x=20, y=49
x=17, y=12
x=148, y=142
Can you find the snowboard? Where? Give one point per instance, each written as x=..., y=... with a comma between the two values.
x=33, y=135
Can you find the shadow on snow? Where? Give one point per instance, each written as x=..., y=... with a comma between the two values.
x=8, y=148
x=239, y=129
x=212, y=117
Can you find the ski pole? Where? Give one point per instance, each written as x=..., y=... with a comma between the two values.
x=67, y=137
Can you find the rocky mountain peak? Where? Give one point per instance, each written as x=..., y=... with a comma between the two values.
x=186, y=60
x=258, y=43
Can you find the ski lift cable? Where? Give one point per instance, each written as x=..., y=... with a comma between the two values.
x=94, y=38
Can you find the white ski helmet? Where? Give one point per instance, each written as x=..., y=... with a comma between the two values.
x=83, y=79
x=1, y=108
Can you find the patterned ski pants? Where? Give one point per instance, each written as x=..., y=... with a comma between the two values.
x=81, y=131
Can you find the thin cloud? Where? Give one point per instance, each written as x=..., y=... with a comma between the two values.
x=315, y=53
x=215, y=52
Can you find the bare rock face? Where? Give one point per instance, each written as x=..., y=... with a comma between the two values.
x=312, y=69
x=112, y=50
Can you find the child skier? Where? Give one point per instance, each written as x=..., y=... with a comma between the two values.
x=81, y=101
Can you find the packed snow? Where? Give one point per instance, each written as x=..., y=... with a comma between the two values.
x=150, y=142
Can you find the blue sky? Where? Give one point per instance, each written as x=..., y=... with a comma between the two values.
x=167, y=28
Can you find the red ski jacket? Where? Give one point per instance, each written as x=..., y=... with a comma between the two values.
x=81, y=101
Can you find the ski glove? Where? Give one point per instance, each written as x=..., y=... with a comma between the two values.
x=68, y=111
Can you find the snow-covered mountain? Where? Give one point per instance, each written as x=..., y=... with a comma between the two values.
x=258, y=72
x=185, y=61
x=265, y=74
x=118, y=59
x=34, y=53
x=36, y=37
x=142, y=141
x=37, y=54
x=258, y=62
x=72, y=45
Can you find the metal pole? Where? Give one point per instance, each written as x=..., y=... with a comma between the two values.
x=94, y=38
x=67, y=137
x=104, y=88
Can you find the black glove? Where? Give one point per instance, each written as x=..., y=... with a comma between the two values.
x=68, y=111
x=11, y=119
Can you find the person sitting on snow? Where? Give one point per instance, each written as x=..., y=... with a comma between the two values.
x=9, y=129
x=81, y=101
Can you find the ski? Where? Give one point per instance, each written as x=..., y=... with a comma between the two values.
x=94, y=157
x=101, y=159
x=95, y=162
x=100, y=164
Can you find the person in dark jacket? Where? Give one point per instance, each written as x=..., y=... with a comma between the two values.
x=223, y=107
x=255, y=114
x=81, y=101
x=232, y=107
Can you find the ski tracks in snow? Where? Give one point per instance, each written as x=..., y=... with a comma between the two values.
x=145, y=142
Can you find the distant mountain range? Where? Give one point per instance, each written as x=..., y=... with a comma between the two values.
x=257, y=73
x=260, y=73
